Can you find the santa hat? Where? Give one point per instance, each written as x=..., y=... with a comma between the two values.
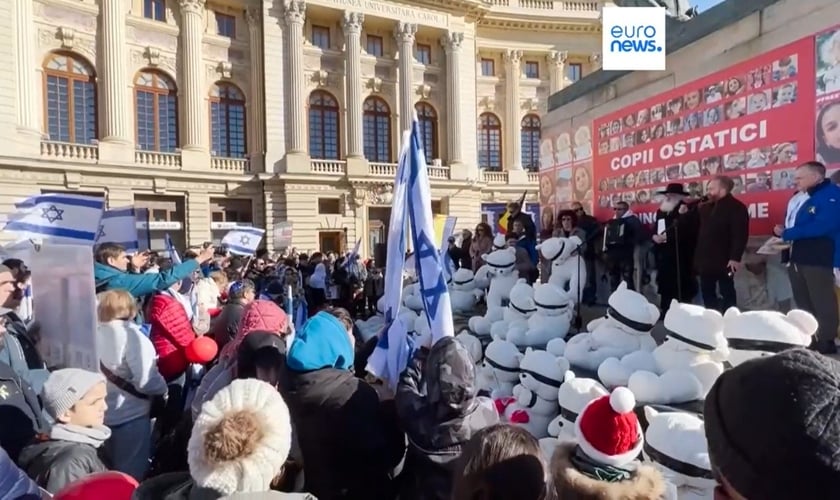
x=608, y=430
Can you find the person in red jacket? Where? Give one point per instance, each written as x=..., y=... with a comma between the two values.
x=171, y=332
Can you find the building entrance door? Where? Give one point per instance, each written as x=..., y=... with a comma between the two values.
x=331, y=241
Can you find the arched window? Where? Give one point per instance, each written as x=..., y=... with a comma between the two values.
x=427, y=120
x=156, y=105
x=70, y=95
x=227, y=121
x=377, y=130
x=323, y=126
x=489, y=142
x=530, y=134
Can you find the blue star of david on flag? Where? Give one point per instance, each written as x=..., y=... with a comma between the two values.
x=52, y=214
x=245, y=240
x=101, y=235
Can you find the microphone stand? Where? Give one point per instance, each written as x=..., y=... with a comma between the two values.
x=578, y=319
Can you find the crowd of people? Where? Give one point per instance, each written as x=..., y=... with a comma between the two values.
x=210, y=387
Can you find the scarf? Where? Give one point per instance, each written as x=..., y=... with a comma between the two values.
x=94, y=436
x=598, y=471
x=794, y=205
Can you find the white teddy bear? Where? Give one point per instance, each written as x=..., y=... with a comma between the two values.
x=472, y=344
x=625, y=328
x=551, y=321
x=499, y=371
x=462, y=292
x=676, y=443
x=573, y=396
x=516, y=314
x=688, y=362
x=412, y=298
x=567, y=268
x=482, y=278
x=534, y=402
x=504, y=277
x=370, y=327
x=762, y=333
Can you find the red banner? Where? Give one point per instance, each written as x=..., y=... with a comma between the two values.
x=753, y=122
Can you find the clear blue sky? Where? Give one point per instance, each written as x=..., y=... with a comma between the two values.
x=705, y=5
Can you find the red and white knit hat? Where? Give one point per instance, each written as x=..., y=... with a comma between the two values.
x=608, y=431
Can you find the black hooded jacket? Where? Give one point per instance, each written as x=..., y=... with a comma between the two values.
x=438, y=404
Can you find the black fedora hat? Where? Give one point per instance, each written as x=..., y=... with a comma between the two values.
x=675, y=188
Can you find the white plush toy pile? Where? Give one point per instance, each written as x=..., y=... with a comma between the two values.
x=412, y=298
x=534, y=402
x=550, y=322
x=463, y=292
x=504, y=277
x=567, y=268
x=625, y=329
x=515, y=316
x=754, y=334
x=686, y=365
x=573, y=396
x=676, y=443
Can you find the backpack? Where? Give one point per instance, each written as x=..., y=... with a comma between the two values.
x=616, y=234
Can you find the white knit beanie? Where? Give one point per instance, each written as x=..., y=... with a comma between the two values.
x=246, y=468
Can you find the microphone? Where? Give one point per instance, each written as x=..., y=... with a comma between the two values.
x=698, y=201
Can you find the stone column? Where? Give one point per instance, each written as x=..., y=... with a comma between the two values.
x=24, y=26
x=116, y=124
x=352, y=24
x=405, y=39
x=556, y=70
x=452, y=42
x=195, y=137
x=256, y=108
x=295, y=16
x=513, y=60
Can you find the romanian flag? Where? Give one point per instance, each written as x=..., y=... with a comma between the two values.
x=502, y=223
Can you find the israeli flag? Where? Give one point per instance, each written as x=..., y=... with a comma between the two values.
x=243, y=240
x=119, y=225
x=57, y=218
x=170, y=249
x=412, y=198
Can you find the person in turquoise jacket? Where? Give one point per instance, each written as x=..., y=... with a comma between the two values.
x=110, y=272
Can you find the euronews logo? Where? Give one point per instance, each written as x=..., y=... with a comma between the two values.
x=629, y=38
x=633, y=38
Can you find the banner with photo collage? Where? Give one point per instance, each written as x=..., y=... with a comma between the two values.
x=566, y=168
x=751, y=121
x=827, y=103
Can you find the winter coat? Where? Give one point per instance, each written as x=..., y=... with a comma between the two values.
x=341, y=430
x=569, y=484
x=171, y=333
x=723, y=235
x=14, y=483
x=21, y=417
x=56, y=463
x=140, y=285
x=437, y=402
x=224, y=327
x=128, y=354
x=180, y=486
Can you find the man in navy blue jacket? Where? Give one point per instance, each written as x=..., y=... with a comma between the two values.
x=814, y=252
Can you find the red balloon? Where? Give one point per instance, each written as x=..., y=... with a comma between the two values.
x=202, y=350
x=111, y=485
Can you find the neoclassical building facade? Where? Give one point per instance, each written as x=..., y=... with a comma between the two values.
x=212, y=113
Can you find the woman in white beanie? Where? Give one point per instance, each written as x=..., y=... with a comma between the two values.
x=237, y=449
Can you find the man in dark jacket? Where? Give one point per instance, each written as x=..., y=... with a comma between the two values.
x=528, y=229
x=438, y=404
x=721, y=241
x=675, y=238
x=590, y=227
x=814, y=252
x=224, y=327
x=622, y=235
x=341, y=432
x=20, y=411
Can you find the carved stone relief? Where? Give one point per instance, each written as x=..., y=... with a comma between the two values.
x=67, y=38
x=164, y=41
x=56, y=14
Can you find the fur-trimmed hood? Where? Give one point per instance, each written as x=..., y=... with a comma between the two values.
x=647, y=483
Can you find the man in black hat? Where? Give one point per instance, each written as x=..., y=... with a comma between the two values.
x=675, y=237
